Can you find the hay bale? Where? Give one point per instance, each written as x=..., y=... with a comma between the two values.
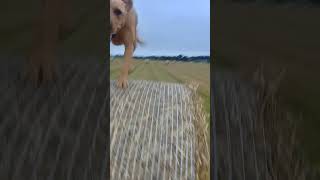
x=55, y=131
x=152, y=131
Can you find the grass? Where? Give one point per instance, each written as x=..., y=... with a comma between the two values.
x=172, y=72
x=256, y=134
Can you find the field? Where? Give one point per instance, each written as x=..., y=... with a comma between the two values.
x=279, y=38
x=170, y=72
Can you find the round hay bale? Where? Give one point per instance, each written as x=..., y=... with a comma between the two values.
x=152, y=131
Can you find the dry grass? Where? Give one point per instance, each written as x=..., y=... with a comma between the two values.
x=286, y=160
x=256, y=134
x=202, y=135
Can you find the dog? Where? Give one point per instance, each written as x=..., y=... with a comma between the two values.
x=48, y=27
x=123, y=31
x=57, y=21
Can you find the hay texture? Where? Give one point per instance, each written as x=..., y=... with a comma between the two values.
x=152, y=131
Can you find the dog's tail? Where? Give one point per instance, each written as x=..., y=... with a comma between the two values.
x=139, y=41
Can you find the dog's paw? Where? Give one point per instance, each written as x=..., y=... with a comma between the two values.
x=122, y=82
x=40, y=77
x=49, y=74
x=40, y=72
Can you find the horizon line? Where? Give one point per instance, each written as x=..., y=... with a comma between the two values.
x=161, y=55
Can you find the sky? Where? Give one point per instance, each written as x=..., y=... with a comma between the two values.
x=172, y=27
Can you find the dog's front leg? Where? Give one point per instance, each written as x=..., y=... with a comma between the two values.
x=123, y=79
x=45, y=39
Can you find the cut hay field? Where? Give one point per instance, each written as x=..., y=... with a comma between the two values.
x=170, y=72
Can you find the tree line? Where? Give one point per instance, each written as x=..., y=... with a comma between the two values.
x=172, y=58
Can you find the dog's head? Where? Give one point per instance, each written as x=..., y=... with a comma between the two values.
x=119, y=10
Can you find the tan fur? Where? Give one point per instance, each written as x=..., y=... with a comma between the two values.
x=123, y=27
x=48, y=26
x=54, y=20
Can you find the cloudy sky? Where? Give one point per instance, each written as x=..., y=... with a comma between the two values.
x=172, y=27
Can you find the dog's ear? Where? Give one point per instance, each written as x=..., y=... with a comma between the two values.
x=128, y=3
